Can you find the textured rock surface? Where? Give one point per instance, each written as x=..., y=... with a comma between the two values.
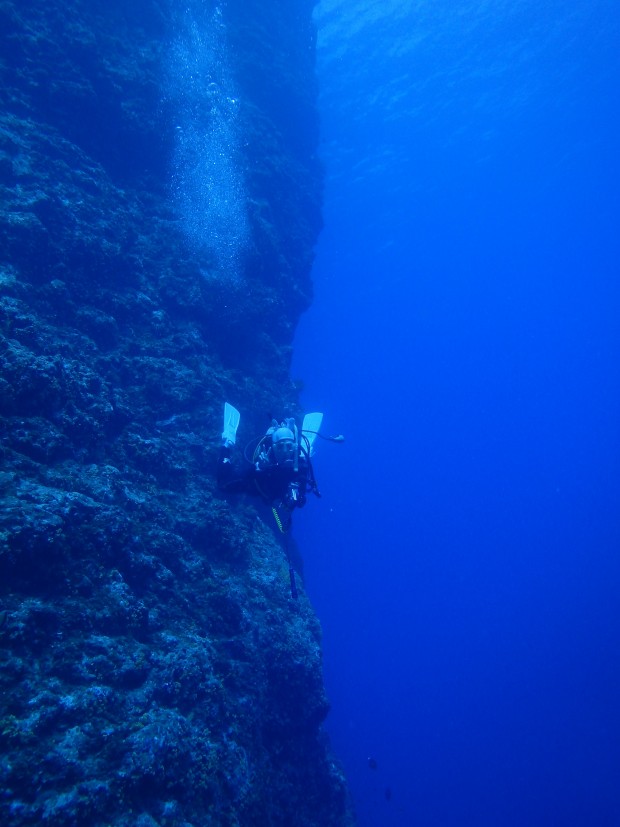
x=154, y=669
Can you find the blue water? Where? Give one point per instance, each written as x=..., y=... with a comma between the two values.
x=465, y=337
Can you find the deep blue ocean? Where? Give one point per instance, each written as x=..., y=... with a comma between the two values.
x=465, y=337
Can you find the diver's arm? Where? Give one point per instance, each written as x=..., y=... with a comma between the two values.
x=225, y=468
x=232, y=478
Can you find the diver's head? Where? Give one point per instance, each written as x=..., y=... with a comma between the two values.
x=283, y=441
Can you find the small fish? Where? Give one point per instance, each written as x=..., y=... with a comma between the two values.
x=3, y=618
x=372, y=763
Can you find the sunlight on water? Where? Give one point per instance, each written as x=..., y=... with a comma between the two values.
x=208, y=186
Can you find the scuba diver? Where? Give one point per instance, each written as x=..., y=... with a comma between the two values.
x=279, y=468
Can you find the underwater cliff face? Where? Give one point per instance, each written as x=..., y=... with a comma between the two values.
x=160, y=201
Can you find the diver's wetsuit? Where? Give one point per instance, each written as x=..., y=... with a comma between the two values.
x=279, y=485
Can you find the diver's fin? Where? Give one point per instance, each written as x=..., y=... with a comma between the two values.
x=311, y=427
x=231, y=423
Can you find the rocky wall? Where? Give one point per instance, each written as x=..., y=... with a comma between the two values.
x=160, y=199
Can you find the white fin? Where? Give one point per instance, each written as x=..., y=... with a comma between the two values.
x=311, y=427
x=231, y=423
